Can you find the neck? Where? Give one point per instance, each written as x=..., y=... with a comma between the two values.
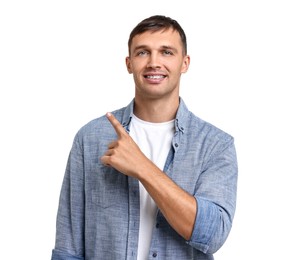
x=156, y=111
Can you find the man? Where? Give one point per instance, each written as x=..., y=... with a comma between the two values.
x=150, y=180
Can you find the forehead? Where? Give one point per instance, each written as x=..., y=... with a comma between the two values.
x=156, y=39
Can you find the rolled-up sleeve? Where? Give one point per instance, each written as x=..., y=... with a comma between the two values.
x=60, y=255
x=216, y=199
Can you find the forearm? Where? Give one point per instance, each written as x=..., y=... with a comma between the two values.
x=178, y=207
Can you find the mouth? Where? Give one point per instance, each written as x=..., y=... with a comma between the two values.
x=154, y=77
x=157, y=77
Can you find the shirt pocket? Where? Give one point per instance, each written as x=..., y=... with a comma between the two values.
x=108, y=189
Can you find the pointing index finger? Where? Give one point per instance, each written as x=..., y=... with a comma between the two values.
x=120, y=130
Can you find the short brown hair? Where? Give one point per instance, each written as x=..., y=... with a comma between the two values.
x=156, y=23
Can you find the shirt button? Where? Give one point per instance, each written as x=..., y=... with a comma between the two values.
x=155, y=254
x=176, y=144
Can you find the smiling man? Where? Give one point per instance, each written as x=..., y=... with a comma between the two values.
x=150, y=180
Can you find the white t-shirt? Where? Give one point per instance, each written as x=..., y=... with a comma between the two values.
x=154, y=140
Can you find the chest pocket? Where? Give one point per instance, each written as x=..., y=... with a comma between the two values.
x=109, y=188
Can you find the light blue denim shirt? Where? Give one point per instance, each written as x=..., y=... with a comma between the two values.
x=98, y=215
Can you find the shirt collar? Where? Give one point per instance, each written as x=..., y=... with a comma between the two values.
x=180, y=120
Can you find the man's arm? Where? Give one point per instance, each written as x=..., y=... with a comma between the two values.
x=70, y=218
x=204, y=219
x=178, y=207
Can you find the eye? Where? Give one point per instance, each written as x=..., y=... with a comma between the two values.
x=142, y=53
x=167, y=52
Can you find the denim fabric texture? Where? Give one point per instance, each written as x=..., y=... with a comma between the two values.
x=98, y=214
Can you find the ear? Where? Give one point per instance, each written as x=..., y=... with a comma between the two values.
x=186, y=64
x=128, y=65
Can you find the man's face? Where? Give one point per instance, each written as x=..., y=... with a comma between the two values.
x=157, y=61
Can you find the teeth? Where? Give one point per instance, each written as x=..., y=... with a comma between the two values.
x=155, y=77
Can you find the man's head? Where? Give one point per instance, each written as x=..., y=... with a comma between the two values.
x=158, y=23
x=157, y=58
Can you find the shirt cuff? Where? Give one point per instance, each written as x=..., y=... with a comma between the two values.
x=61, y=255
x=207, y=221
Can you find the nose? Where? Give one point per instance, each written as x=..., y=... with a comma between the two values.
x=153, y=61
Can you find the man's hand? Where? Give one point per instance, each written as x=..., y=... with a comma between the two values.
x=123, y=154
x=178, y=207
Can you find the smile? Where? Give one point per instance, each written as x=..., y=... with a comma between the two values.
x=154, y=77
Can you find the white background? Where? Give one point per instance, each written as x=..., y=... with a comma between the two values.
x=62, y=64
